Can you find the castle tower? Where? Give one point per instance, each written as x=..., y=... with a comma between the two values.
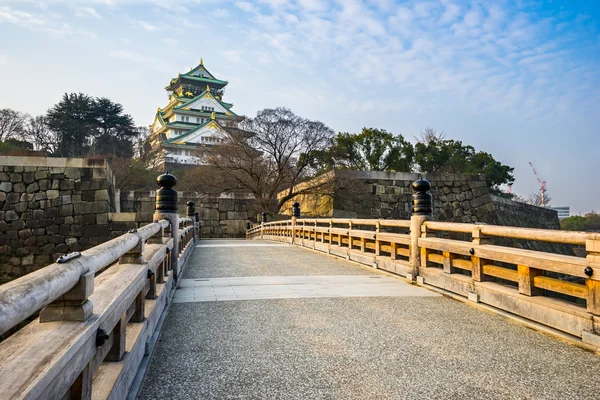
x=195, y=117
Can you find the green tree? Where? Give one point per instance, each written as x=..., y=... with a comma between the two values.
x=575, y=223
x=72, y=119
x=451, y=156
x=85, y=126
x=114, y=131
x=372, y=149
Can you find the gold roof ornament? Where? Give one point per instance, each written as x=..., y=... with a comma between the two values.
x=208, y=88
x=212, y=116
x=201, y=63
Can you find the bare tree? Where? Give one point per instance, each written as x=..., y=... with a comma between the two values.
x=429, y=135
x=266, y=155
x=535, y=199
x=37, y=132
x=11, y=123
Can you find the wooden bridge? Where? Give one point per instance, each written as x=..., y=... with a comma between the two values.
x=309, y=308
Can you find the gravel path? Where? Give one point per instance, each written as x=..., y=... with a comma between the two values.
x=351, y=348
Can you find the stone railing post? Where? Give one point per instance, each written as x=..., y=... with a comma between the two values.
x=422, y=211
x=166, y=208
x=191, y=213
x=295, y=215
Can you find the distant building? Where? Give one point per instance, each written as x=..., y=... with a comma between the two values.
x=195, y=117
x=563, y=212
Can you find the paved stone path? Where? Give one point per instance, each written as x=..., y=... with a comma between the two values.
x=256, y=320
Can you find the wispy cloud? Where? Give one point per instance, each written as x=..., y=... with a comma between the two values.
x=87, y=11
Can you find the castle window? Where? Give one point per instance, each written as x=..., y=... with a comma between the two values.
x=197, y=120
x=187, y=119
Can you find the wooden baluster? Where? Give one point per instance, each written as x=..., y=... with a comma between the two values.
x=117, y=349
x=394, y=250
x=350, y=235
x=377, y=242
x=424, y=252
x=81, y=389
x=592, y=247
x=476, y=262
x=448, y=257
x=330, y=234
x=526, y=276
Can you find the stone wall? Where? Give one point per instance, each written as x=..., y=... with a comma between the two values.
x=220, y=217
x=375, y=194
x=50, y=206
x=456, y=197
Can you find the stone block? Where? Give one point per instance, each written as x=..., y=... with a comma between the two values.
x=20, y=207
x=40, y=196
x=25, y=233
x=44, y=184
x=87, y=207
x=28, y=177
x=55, y=184
x=27, y=260
x=96, y=231
x=56, y=239
x=6, y=186
x=52, y=229
x=100, y=207
x=42, y=259
x=101, y=195
x=17, y=225
x=76, y=198
x=76, y=230
x=88, y=195
x=48, y=249
x=16, y=177
x=66, y=209
x=33, y=223
x=40, y=175
x=2, y=196
x=52, y=194
x=72, y=173
x=67, y=185
x=10, y=216
x=31, y=241
x=19, y=187
x=66, y=199
x=102, y=219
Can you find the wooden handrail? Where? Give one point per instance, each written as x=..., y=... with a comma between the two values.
x=473, y=268
x=511, y=232
x=24, y=296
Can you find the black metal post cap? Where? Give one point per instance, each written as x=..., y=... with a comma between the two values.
x=588, y=271
x=166, y=196
x=421, y=185
x=422, y=200
x=264, y=217
x=166, y=180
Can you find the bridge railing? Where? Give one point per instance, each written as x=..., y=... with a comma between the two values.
x=478, y=261
x=98, y=311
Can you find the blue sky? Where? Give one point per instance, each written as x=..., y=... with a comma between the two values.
x=518, y=79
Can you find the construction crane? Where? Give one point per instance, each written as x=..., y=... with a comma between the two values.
x=542, y=185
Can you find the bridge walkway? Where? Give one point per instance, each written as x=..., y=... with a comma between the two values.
x=260, y=320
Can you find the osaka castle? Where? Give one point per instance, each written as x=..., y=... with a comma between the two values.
x=195, y=117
